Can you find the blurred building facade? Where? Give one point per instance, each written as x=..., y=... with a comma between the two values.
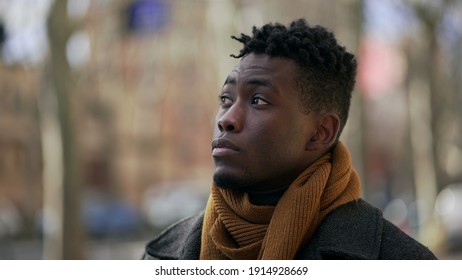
x=144, y=79
x=20, y=156
x=144, y=94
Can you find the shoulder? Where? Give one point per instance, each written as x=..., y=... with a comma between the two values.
x=179, y=241
x=395, y=243
x=357, y=230
x=398, y=245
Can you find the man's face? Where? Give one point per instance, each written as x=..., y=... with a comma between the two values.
x=261, y=133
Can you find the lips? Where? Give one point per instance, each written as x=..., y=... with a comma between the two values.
x=221, y=147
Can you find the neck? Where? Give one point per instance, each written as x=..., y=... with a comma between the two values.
x=266, y=198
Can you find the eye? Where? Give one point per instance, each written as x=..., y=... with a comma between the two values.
x=225, y=101
x=259, y=101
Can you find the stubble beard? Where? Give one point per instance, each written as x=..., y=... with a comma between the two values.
x=227, y=181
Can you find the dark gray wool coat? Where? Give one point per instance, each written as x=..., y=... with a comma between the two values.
x=355, y=230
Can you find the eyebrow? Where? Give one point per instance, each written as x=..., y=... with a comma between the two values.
x=230, y=80
x=254, y=81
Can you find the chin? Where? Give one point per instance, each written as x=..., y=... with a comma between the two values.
x=227, y=181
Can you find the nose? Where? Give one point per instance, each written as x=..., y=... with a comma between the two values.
x=230, y=120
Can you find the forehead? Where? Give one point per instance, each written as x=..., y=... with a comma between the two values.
x=274, y=68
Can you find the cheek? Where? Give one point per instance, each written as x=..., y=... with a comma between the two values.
x=279, y=143
x=294, y=140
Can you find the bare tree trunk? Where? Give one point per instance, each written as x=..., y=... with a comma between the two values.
x=350, y=21
x=70, y=239
x=426, y=104
x=359, y=115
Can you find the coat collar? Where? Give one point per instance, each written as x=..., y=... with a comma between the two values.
x=181, y=241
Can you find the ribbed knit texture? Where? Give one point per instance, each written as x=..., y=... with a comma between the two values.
x=235, y=229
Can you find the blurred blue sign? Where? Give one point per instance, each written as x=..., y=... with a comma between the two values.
x=148, y=16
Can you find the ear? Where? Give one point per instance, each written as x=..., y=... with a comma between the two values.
x=326, y=133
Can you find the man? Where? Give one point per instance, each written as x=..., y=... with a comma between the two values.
x=283, y=185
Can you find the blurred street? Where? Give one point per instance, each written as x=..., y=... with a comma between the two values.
x=95, y=250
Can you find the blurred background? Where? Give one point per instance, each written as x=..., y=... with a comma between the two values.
x=107, y=108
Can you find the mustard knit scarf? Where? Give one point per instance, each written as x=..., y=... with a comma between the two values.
x=236, y=229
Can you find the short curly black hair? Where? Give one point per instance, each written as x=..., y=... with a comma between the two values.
x=327, y=71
